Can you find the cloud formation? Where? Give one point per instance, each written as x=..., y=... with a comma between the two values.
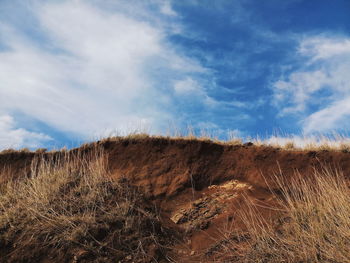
x=89, y=70
x=12, y=137
x=319, y=90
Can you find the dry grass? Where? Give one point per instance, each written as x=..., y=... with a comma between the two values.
x=311, y=225
x=71, y=209
x=332, y=142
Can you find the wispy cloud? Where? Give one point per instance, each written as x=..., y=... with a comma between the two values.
x=321, y=47
x=12, y=137
x=166, y=8
x=319, y=90
x=77, y=69
x=96, y=71
x=187, y=86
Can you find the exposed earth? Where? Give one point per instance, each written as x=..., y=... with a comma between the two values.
x=197, y=187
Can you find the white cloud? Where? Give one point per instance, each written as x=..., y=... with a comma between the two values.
x=319, y=91
x=192, y=89
x=188, y=86
x=323, y=47
x=299, y=88
x=91, y=71
x=336, y=115
x=166, y=9
x=12, y=137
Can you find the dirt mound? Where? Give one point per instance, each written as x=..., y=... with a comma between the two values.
x=165, y=167
x=197, y=186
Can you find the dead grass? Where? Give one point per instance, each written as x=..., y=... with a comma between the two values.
x=311, y=224
x=333, y=142
x=320, y=142
x=70, y=210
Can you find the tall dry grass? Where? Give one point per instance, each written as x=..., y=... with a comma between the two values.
x=70, y=209
x=311, y=223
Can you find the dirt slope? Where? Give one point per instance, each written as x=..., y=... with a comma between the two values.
x=198, y=186
x=166, y=167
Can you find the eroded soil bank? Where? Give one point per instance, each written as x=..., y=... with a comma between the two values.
x=197, y=186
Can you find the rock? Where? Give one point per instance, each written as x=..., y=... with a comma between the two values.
x=179, y=217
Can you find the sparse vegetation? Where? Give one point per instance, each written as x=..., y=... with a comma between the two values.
x=74, y=206
x=312, y=223
x=69, y=209
x=332, y=142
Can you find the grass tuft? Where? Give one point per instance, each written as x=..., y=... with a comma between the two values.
x=71, y=210
x=311, y=223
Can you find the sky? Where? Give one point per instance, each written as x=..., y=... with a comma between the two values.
x=73, y=71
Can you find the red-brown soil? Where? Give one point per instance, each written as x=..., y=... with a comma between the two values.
x=198, y=186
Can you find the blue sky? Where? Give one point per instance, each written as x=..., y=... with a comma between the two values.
x=72, y=71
